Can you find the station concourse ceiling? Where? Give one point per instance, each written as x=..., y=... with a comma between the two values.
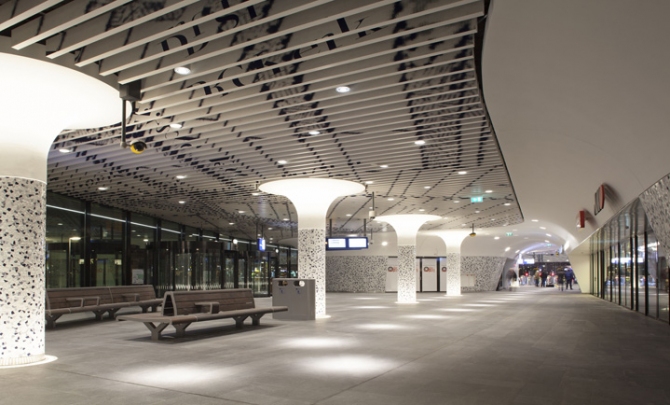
x=260, y=103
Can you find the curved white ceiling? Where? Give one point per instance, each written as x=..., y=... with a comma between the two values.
x=578, y=94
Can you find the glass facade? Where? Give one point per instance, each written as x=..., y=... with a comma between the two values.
x=92, y=245
x=628, y=265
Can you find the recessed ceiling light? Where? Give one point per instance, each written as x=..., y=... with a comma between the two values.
x=269, y=228
x=546, y=241
x=493, y=219
x=463, y=224
x=384, y=243
x=352, y=235
x=282, y=162
x=241, y=212
x=182, y=202
x=508, y=204
x=348, y=215
x=343, y=89
x=488, y=191
x=384, y=166
x=390, y=199
x=65, y=150
x=145, y=240
x=477, y=212
x=103, y=188
x=231, y=223
x=314, y=132
x=497, y=237
x=534, y=220
x=543, y=227
x=369, y=182
x=462, y=172
x=60, y=224
x=549, y=235
x=182, y=70
x=420, y=142
x=175, y=125
x=426, y=187
x=255, y=194
x=422, y=210
x=456, y=201
x=507, y=249
x=180, y=177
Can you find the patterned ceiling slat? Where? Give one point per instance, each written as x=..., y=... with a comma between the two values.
x=263, y=74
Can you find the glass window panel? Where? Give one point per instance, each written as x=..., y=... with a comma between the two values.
x=64, y=244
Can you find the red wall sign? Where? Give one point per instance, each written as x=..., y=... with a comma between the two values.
x=581, y=219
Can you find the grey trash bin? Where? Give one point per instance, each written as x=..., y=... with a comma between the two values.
x=298, y=295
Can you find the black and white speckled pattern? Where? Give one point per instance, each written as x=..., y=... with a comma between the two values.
x=655, y=203
x=22, y=232
x=453, y=273
x=485, y=269
x=356, y=273
x=407, y=273
x=312, y=263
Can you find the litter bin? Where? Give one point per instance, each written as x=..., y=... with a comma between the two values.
x=298, y=295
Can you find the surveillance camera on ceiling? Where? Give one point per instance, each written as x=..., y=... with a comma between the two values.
x=138, y=147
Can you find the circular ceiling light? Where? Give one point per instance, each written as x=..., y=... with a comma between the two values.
x=390, y=199
x=180, y=176
x=182, y=202
x=282, y=162
x=241, y=212
x=285, y=219
x=488, y=191
x=102, y=188
x=182, y=70
x=384, y=166
x=426, y=187
x=497, y=237
x=369, y=182
x=508, y=204
x=420, y=142
x=65, y=150
x=422, y=210
x=343, y=89
x=456, y=201
x=314, y=132
x=255, y=194
x=176, y=125
x=348, y=215
x=534, y=220
x=462, y=172
x=231, y=223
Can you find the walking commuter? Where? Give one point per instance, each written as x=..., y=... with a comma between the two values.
x=569, y=277
x=544, y=279
x=561, y=278
x=536, y=278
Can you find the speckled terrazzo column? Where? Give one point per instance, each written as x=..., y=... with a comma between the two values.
x=454, y=273
x=22, y=232
x=655, y=203
x=407, y=273
x=312, y=263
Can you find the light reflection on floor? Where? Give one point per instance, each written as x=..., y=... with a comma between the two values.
x=317, y=343
x=348, y=365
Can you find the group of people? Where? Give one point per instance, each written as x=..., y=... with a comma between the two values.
x=563, y=277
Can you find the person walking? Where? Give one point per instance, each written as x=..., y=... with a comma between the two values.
x=536, y=278
x=561, y=278
x=569, y=277
x=544, y=279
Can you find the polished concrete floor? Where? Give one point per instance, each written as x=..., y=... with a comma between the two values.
x=533, y=346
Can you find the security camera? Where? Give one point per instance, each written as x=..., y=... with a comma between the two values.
x=138, y=147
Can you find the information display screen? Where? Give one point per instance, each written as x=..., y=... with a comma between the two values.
x=351, y=243
x=336, y=243
x=357, y=243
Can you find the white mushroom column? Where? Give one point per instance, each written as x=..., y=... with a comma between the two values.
x=453, y=241
x=406, y=227
x=311, y=198
x=38, y=100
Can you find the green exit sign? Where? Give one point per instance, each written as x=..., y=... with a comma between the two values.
x=476, y=199
x=509, y=234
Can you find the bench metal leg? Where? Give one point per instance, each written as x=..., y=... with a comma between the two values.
x=112, y=313
x=98, y=314
x=256, y=319
x=51, y=320
x=180, y=328
x=155, y=330
x=239, y=321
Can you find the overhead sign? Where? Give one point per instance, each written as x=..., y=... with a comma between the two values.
x=476, y=199
x=261, y=244
x=581, y=219
x=600, y=200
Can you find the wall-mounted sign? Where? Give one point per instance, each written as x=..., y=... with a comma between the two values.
x=600, y=200
x=581, y=219
x=261, y=244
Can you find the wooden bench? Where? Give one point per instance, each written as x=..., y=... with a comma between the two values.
x=182, y=308
x=61, y=301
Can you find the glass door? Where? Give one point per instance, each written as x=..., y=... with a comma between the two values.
x=229, y=261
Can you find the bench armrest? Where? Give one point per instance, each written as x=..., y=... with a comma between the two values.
x=213, y=307
x=134, y=297
x=82, y=300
